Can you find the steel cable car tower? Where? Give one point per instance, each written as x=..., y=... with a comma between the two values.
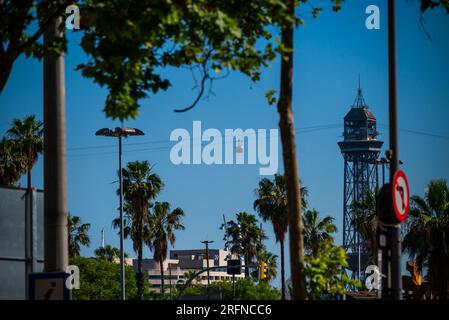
x=360, y=149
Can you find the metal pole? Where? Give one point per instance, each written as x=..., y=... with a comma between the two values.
x=122, y=252
x=377, y=176
x=28, y=237
x=383, y=263
x=344, y=205
x=169, y=275
x=233, y=286
x=120, y=133
x=55, y=173
x=207, y=265
x=359, y=258
x=396, y=279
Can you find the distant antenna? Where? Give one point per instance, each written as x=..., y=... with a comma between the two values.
x=360, y=87
x=102, y=237
x=359, y=100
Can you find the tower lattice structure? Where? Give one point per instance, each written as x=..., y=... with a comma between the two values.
x=360, y=149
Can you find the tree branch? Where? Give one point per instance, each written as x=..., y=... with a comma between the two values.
x=422, y=25
x=202, y=87
x=59, y=10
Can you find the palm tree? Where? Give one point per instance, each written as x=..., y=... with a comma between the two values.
x=271, y=205
x=11, y=168
x=140, y=186
x=317, y=231
x=427, y=241
x=365, y=221
x=107, y=253
x=245, y=237
x=190, y=275
x=163, y=223
x=271, y=260
x=77, y=234
x=28, y=136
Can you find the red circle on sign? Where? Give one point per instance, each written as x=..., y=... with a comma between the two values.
x=400, y=187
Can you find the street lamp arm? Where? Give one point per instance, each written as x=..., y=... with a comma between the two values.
x=181, y=291
x=104, y=132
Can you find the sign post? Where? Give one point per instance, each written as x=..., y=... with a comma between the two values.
x=393, y=206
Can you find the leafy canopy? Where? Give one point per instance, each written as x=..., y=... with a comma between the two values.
x=245, y=289
x=77, y=234
x=129, y=43
x=427, y=239
x=99, y=280
x=324, y=273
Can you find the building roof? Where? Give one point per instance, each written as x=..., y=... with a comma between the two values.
x=359, y=110
x=359, y=114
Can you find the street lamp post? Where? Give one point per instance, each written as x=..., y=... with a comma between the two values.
x=120, y=133
x=207, y=264
x=395, y=231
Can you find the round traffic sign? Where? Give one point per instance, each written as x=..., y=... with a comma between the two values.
x=400, y=195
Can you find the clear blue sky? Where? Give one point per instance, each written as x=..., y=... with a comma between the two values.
x=330, y=54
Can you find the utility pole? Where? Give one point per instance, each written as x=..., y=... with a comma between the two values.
x=55, y=173
x=233, y=287
x=169, y=276
x=206, y=242
x=395, y=230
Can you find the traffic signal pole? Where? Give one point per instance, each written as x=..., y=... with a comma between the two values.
x=395, y=230
x=206, y=242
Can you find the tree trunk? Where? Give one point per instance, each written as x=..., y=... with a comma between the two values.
x=161, y=264
x=11, y=52
x=282, y=271
x=290, y=164
x=440, y=276
x=140, y=277
x=5, y=69
x=315, y=247
x=7, y=58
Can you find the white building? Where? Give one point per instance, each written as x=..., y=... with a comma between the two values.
x=182, y=261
